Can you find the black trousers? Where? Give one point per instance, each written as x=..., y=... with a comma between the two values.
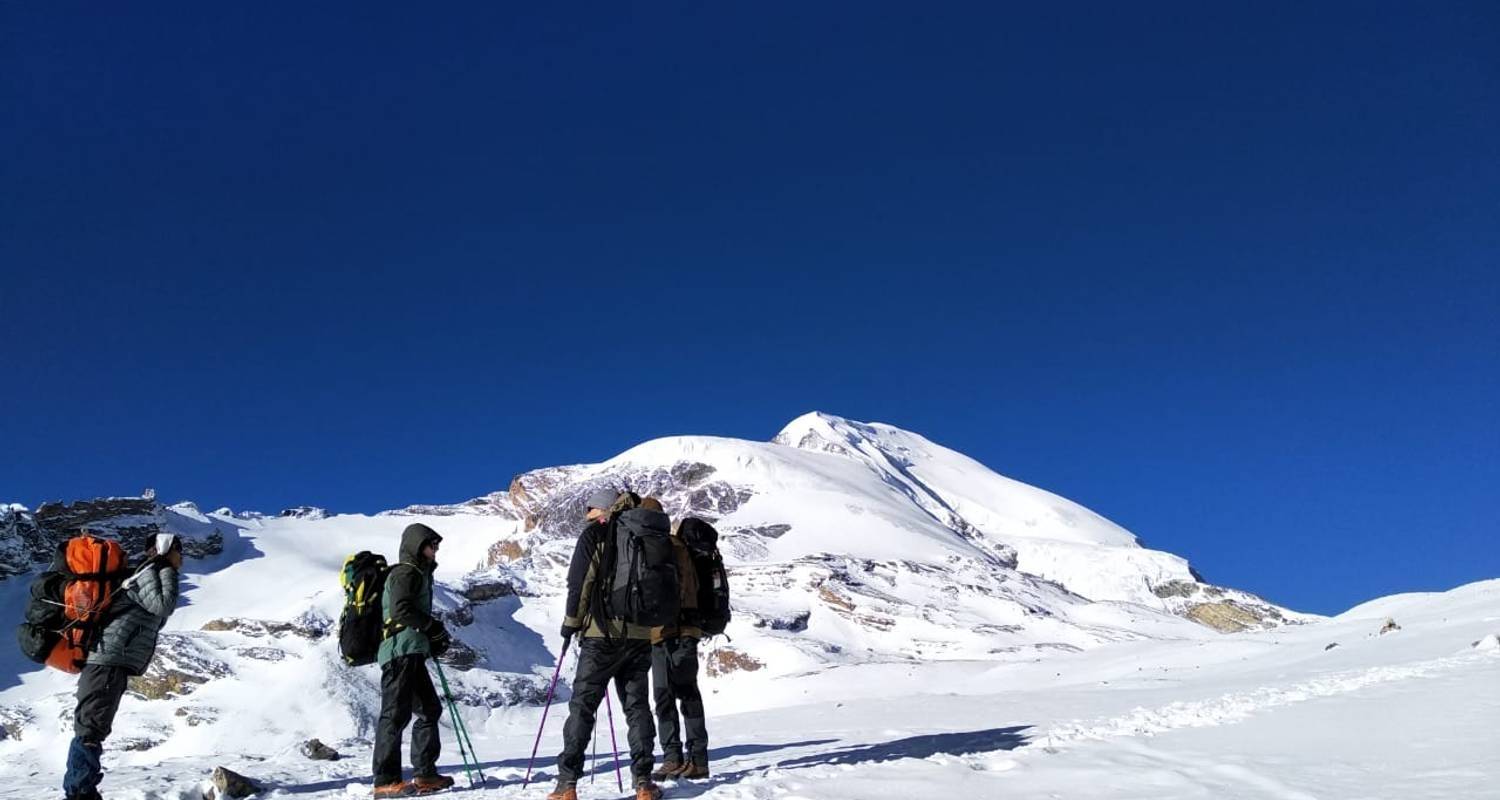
x=99, y=691
x=628, y=663
x=674, y=677
x=405, y=690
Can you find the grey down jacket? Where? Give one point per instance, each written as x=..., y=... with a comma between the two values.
x=137, y=614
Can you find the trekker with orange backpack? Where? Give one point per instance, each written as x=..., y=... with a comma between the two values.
x=136, y=612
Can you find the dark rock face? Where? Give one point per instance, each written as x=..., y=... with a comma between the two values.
x=23, y=543
x=795, y=623
x=489, y=591
x=460, y=656
x=70, y=519
x=29, y=540
x=500, y=690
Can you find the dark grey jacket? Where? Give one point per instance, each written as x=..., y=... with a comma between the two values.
x=136, y=615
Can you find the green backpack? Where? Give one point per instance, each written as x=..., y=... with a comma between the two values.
x=360, y=624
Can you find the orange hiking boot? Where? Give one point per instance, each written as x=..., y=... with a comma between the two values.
x=435, y=783
x=646, y=790
x=564, y=791
x=693, y=772
x=395, y=789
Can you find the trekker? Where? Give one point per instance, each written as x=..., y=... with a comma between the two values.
x=411, y=635
x=124, y=648
x=674, y=679
x=609, y=649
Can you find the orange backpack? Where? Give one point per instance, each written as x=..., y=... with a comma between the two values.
x=68, y=602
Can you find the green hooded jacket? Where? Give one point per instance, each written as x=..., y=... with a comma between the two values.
x=407, y=603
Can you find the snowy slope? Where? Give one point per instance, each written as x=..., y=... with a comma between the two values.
x=1266, y=715
x=861, y=556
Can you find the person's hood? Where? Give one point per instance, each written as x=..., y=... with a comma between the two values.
x=413, y=539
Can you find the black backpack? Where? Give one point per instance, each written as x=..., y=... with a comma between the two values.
x=713, y=581
x=361, y=623
x=38, y=632
x=639, y=570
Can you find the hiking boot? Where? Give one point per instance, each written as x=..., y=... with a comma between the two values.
x=646, y=790
x=693, y=772
x=435, y=783
x=668, y=771
x=564, y=791
x=395, y=789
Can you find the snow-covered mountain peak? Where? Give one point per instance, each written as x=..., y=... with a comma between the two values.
x=950, y=483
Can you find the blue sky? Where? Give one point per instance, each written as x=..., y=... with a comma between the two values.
x=1226, y=275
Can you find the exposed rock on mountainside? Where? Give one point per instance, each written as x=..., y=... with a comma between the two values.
x=726, y=660
x=304, y=512
x=181, y=665
x=29, y=540
x=1224, y=610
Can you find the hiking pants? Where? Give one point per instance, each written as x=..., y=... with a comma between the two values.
x=628, y=663
x=674, y=677
x=99, y=691
x=406, y=689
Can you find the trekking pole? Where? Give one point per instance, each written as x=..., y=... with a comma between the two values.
x=454, y=719
x=548, y=707
x=594, y=770
x=614, y=745
x=460, y=731
x=470, y=765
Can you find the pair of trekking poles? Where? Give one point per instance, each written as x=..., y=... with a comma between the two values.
x=466, y=745
x=608, y=709
x=461, y=731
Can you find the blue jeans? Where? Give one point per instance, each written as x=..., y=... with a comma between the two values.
x=84, y=772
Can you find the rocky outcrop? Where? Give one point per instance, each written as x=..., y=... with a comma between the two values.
x=1224, y=610
x=14, y=721
x=499, y=689
x=194, y=717
x=29, y=540
x=230, y=784
x=460, y=656
x=1225, y=616
x=180, y=666
x=726, y=660
x=505, y=551
x=121, y=515
x=493, y=584
x=304, y=628
x=23, y=543
x=552, y=502
x=317, y=751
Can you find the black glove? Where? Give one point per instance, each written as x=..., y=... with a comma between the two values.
x=569, y=630
x=438, y=638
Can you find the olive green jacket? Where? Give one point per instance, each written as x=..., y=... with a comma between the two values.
x=406, y=605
